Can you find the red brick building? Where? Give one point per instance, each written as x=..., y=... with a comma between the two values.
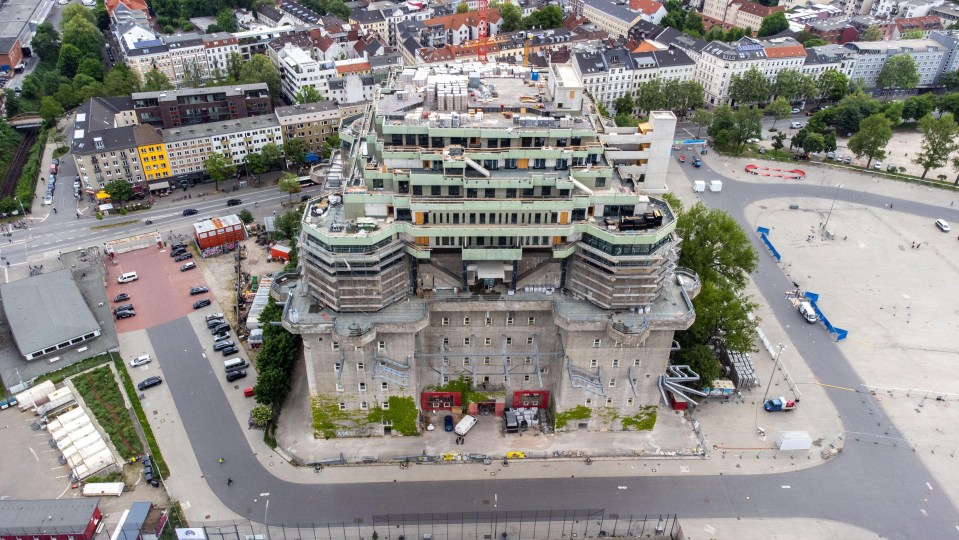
x=49, y=519
x=10, y=53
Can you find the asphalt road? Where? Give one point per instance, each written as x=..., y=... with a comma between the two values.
x=879, y=487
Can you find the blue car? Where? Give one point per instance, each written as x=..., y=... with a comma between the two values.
x=448, y=422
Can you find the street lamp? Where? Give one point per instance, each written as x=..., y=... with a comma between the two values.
x=266, y=512
x=829, y=215
x=779, y=354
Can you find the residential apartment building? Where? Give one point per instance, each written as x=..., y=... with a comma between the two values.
x=460, y=27
x=188, y=146
x=371, y=21
x=739, y=13
x=153, y=159
x=192, y=106
x=505, y=246
x=904, y=8
x=871, y=57
x=613, y=17
x=106, y=144
x=837, y=30
x=187, y=53
x=219, y=46
x=344, y=81
x=721, y=61
x=610, y=73
x=312, y=123
x=829, y=57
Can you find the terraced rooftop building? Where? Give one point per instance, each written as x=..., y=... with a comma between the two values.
x=496, y=238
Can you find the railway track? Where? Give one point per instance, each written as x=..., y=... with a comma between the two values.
x=9, y=186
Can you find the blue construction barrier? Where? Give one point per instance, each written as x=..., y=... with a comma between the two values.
x=813, y=298
x=763, y=231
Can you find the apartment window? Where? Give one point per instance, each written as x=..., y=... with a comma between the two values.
x=454, y=191
x=636, y=363
x=466, y=341
x=509, y=340
x=446, y=342
x=445, y=321
x=466, y=321
x=629, y=402
x=529, y=340
x=531, y=321
x=597, y=343
x=381, y=345
x=609, y=402
x=612, y=383
x=446, y=379
x=384, y=386
x=364, y=406
x=510, y=193
x=509, y=321
x=593, y=363
x=528, y=360
x=335, y=346
x=600, y=181
x=342, y=406
x=589, y=402
x=489, y=321
x=615, y=363
x=385, y=406
x=435, y=190
x=526, y=378
x=361, y=387
x=466, y=361
x=486, y=360
x=340, y=387
x=360, y=366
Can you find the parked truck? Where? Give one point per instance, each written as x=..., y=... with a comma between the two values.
x=779, y=404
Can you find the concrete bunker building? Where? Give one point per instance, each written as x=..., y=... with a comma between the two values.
x=494, y=230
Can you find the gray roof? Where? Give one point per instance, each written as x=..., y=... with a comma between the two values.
x=95, y=120
x=300, y=12
x=386, y=60
x=366, y=16
x=619, y=11
x=294, y=110
x=742, y=50
x=224, y=127
x=7, y=44
x=672, y=58
x=229, y=90
x=43, y=311
x=270, y=13
x=182, y=41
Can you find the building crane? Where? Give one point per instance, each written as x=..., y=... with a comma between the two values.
x=483, y=29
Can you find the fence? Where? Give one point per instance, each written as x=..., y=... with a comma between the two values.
x=580, y=523
x=763, y=231
x=813, y=299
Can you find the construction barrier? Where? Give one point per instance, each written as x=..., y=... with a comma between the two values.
x=839, y=332
x=763, y=231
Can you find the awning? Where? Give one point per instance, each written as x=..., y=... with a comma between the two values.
x=490, y=270
x=103, y=195
x=159, y=185
x=105, y=207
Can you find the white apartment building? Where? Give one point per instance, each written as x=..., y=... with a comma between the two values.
x=829, y=57
x=188, y=146
x=187, y=52
x=218, y=47
x=344, y=81
x=609, y=74
x=611, y=16
x=871, y=57
x=898, y=9
x=720, y=61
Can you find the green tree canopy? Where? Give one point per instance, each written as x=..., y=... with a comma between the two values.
x=463, y=7
x=259, y=69
x=296, y=150
x=701, y=118
x=50, y=110
x=773, y=24
x=74, y=10
x=309, y=94
x=694, y=24
x=871, y=140
x=289, y=184
x=272, y=156
x=833, y=85
x=119, y=190
x=46, y=42
x=872, y=33
x=91, y=67
x=917, y=107
x=715, y=246
x=939, y=139
x=219, y=168
x=156, y=80
x=779, y=109
x=899, y=73
x=512, y=17
x=544, y=18
x=950, y=79
x=69, y=60
x=750, y=88
x=83, y=34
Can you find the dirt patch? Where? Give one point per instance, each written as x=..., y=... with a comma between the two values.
x=222, y=276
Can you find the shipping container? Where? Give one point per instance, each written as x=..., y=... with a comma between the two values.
x=793, y=440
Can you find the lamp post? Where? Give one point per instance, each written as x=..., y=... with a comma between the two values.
x=829, y=215
x=779, y=354
x=266, y=513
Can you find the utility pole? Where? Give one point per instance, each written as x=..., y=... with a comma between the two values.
x=779, y=354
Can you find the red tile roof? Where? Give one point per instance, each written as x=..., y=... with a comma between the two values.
x=458, y=20
x=649, y=7
x=758, y=9
x=132, y=5
x=789, y=51
x=352, y=67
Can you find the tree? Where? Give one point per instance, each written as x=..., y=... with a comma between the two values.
x=69, y=60
x=813, y=143
x=289, y=184
x=272, y=156
x=893, y=111
x=245, y=216
x=715, y=246
x=272, y=385
x=512, y=17
x=234, y=66
x=329, y=145
x=12, y=103
x=950, y=79
x=898, y=73
x=255, y=165
x=938, y=141
x=624, y=105
x=949, y=103
x=192, y=74
x=295, y=150
x=91, y=67
x=694, y=25
x=747, y=124
x=913, y=34
x=50, y=110
x=871, y=140
x=288, y=225
x=872, y=33
x=156, y=80
x=121, y=81
x=833, y=85
x=918, y=106
x=74, y=10
x=46, y=42
x=722, y=311
x=681, y=96
x=650, y=96
x=103, y=18
x=779, y=109
x=463, y=7
x=119, y=190
x=219, y=168
x=675, y=15
x=750, y=88
x=83, y=34
x=544, y=18
x=773, y=24
x=309, y=94
x=955, y=165
x=778, y=141
x=701, y=118
x=847, y=120
x=259, y=69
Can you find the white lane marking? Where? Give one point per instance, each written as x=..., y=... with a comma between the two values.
x=786, y=487
x=928, y=485
x=622, y=487
x=34, y=454
x=923, y=511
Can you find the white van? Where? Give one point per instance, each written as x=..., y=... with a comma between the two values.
x=808, y=313
x=796, y=125
x=234, y=364
x=128, y=277
x=465, y=425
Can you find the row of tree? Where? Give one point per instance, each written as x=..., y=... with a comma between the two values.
x=540, y=19
x=271, y=157
x=277, y=356
x=658, y=95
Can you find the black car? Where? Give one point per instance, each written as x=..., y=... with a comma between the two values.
x=233, y=202
x=188, y=266
x=149, y=382
x=198, y=290
x=124, y=307
x=213, y=323
x=178, y=246
x=304, y=198
x=121, y=297
x=190, y=212
x=183, y=256
x=222, y=327
x=201, y=303
x=229, y=350
x=126, y=314
x=234, y=375
x=177, y=251
x=220, y=345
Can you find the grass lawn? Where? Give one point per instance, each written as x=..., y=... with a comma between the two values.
x=102, y=395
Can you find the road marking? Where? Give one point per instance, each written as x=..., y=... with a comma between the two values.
x=786, y=487
x=928, y=485
x=923, y=511
x=836, y=387
x=622, y=487
x=34, y=454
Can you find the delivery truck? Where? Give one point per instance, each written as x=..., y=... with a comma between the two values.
x=780, y=404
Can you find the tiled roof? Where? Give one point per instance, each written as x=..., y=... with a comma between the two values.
x=133, y=5
x=649, y=7
x=788, y=51
x=757, y=9
x=458, y=20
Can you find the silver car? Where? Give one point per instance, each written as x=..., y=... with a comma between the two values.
x=141, y=360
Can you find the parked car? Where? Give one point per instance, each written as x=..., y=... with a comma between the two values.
x=188, y=266
x=121, y=297
x=190, y=212
x=847, y=160
x=123, y=307
x=178, y=246
x=229, y=350
x=213, y=323
x=448, y=422
x=795, y=111
x=235, y=375
x=877, y=165
x=198, y=290
x=221, y=337
x=183, y=256
x=233, y=202
x=220, y=345
x=891, y=168
x=214, y=316
x=141, y=360
x=201, y=303
x=149, y=382
x=126, y=314
x=220, y=328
